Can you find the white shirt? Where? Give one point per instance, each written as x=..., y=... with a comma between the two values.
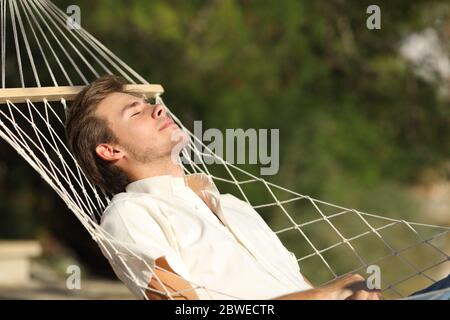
x=229, y=250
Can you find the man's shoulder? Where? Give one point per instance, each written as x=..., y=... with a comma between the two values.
x=126, y=202
x=235, y=206
x=232, y=200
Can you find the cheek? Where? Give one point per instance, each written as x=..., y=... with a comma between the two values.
x=143, y=129
x=143, y=135
x=147, y=136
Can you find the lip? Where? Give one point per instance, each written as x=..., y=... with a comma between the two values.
x=166, y=123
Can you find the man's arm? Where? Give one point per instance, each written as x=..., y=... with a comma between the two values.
x=172, y=282
x=350, y=287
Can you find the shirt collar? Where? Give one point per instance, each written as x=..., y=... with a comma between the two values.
x=169, y=185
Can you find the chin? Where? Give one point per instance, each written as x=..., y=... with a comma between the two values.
x=178, y=136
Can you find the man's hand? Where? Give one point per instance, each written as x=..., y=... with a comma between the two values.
x=172, y=283
x=349, y=287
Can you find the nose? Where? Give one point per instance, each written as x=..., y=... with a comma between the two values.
x=158, y=111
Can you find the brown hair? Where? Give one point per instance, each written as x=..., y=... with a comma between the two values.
x=85, y=131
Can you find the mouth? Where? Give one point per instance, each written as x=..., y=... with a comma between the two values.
x=167, y=123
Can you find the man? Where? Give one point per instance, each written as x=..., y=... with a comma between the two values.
x=197, y=243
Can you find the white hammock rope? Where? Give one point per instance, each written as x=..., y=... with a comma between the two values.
x=36, y=32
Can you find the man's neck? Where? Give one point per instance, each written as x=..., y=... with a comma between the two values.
x=155, y=168
x=168, y=167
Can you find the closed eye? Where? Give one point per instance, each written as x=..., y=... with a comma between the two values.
x=133, y=106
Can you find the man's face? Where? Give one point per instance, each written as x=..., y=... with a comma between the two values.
x=145, y=132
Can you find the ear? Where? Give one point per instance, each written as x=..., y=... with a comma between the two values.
x=108, y=152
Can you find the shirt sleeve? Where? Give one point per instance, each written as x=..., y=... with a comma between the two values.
x=138, y=232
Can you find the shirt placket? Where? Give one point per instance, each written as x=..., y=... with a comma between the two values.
x=212, y=193
x=267, y=266
x=218, y=216
x=237, y=237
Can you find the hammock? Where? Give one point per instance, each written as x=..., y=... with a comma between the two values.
x=334, y=240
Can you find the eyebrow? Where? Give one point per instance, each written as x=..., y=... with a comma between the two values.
x=129, y=106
